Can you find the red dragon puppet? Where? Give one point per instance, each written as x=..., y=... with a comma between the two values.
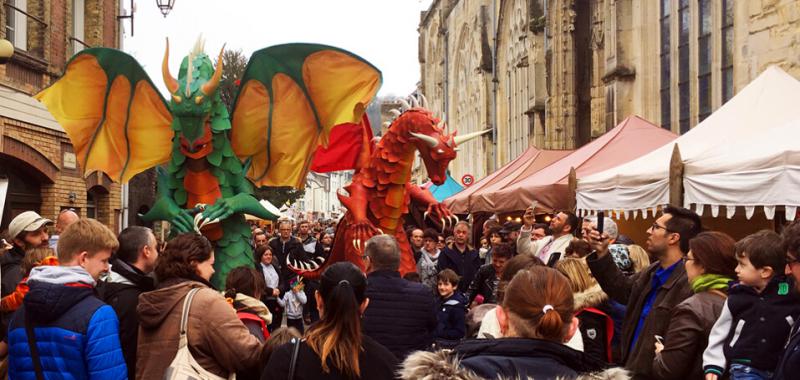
x=380, y=193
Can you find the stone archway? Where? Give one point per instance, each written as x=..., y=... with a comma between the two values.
x=24, y=187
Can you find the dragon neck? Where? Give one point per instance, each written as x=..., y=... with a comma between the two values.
x=393, y=153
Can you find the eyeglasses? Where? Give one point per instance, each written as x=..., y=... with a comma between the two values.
x=657, y=226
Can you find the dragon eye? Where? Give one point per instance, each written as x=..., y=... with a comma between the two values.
x=198, y=99
x=177, y=99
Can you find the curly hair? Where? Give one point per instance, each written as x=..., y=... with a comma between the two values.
x=180, y=257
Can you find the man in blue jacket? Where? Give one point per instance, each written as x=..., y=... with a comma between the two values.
x=75, y=335
x=401, y=314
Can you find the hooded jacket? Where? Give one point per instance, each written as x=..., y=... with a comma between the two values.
x=596, y=326
x=506, y=358
x=217, y=338
x=121, y=291
x=451, y=320
x=76, y=333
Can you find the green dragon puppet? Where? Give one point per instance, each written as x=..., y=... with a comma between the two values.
x=290, y=98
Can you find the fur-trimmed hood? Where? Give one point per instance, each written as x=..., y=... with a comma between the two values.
x=441, y=365
x=591, y=297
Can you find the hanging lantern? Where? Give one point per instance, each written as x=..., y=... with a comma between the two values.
x=165, y=6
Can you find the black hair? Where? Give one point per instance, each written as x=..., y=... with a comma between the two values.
x=131, y=240
x=685, y=223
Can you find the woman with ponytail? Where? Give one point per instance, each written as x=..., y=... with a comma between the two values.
x=536, y=318
x=710, y=268
x=334, y=347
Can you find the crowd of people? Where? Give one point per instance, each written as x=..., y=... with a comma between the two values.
x=569, y=299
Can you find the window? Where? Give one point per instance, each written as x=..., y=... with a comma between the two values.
x=17, y=24
x=704, y=59
x=727, y=50
x=91, y=205
x=684, y=98
x=78, y=7
x=665, y=65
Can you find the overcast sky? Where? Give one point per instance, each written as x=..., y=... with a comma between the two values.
x=383, y=32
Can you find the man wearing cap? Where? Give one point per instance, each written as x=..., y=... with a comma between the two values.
x=28, y=230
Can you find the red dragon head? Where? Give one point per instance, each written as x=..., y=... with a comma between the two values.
x=435, y=146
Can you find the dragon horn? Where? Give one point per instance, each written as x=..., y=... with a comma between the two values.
x=432, y=142
x=169, y=80
x=212, y=84
x=469, y=136
x=424, y=101
x=414, y=102
x=403, y=104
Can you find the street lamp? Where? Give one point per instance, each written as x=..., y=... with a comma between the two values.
x=165, y=6
x=6, y=51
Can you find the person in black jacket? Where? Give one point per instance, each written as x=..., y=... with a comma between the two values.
x=27, y=230
x=335, y=347
x=452, y=310
x=790, y=359
x=275, y=284
x=485, y=282
x=283, y=244
x=536, y=318
x=461, y=258
x=129, y=277
x=401, y=314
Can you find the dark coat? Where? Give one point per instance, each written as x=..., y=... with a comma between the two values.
x=401, y=314
x=687, y=337
x=485, y=284
x=596, y=326
x=632, y=291
x=11, y=271
x=524, y=358
x=445, y=365
x=374, y=361
x=451, y=321
x=752, y=326
x=790, y=359
x=280, y=250
x=465, y=264
x=121, y=291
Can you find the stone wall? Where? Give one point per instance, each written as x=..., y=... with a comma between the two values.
x=567, y=73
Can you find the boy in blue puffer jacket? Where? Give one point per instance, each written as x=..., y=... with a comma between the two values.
x=451, y=315
x=76, y=335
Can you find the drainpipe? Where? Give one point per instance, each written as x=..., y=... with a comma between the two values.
x=493, y=109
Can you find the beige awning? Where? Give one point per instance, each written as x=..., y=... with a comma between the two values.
x=20, y=106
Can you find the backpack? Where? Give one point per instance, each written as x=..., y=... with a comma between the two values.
x=184, y=366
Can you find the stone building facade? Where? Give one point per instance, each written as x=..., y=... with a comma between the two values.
x=556, y=74
x=36, y=157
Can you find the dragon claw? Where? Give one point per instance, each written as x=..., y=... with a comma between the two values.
x=425, y=216
x=380, y=231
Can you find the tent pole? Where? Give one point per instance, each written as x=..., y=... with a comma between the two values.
x=676, y=178
x=573, y=187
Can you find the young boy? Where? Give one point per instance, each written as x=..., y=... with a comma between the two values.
x=293, y=302
x=451, y=324
x=748, y=337
x=75, y=334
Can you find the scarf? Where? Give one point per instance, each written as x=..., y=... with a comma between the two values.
x=710, y=281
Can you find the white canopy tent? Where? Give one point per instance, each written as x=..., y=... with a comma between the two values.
x=767, y=102
x=764, y=171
